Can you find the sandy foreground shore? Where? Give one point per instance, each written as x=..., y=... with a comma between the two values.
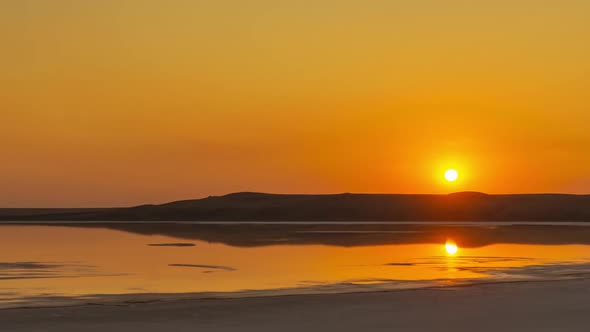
x=525, y=306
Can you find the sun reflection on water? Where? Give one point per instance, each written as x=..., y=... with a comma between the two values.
x=90, y=262
x=451, y=248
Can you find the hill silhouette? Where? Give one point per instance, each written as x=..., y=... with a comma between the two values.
x=465, y=206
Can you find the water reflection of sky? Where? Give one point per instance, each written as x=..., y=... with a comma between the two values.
x=42, y=262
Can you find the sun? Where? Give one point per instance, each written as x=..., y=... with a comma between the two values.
x=451, y=248
x=451, y=175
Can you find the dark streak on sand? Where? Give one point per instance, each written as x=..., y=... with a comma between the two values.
x=27, y=266
x=171, y=244
x=226, y=268
x=522, y=307
x=39, y=270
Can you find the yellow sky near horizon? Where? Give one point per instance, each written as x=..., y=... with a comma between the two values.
x=107, y=103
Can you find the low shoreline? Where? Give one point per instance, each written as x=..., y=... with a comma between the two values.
x=556, y=272
x=506, y=306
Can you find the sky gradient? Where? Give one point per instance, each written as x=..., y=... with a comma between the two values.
x=110, y=103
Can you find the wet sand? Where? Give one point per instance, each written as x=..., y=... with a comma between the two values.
x=521, y=306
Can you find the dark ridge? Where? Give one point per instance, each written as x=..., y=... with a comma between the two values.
x=469, y=194
x=246, y=206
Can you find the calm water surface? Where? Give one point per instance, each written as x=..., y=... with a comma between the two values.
x=53, y=265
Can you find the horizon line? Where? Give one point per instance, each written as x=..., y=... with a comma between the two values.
x=301, y=194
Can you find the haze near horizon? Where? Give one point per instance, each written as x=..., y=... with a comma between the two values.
x=118, y=103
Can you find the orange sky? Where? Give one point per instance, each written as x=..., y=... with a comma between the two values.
x=125, y=102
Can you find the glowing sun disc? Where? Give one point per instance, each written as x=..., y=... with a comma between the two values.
x=451, y=175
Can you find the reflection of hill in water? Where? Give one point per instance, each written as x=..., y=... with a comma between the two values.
x=252, y=235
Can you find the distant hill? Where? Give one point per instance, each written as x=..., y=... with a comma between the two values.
x=467, y=206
